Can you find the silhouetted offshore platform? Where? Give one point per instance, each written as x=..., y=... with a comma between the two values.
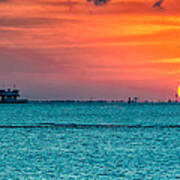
x=11, y=96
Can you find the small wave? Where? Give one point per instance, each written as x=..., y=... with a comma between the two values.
x=83, y=126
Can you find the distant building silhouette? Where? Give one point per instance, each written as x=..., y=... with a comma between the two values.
x=11, y=96
x=176, y=97
x=169, y=101
x=135, y=99
x=129, y=100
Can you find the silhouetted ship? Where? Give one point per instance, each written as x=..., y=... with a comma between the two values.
x=11, y=96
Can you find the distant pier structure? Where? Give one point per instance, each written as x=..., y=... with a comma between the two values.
x=11, y=96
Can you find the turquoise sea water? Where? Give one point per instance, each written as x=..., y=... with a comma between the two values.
x=89, y=141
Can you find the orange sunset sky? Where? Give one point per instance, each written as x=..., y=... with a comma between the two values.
x=74, y=49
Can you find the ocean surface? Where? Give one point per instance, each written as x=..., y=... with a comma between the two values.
x=60, y=140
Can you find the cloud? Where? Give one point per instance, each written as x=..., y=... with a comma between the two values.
x=70, y=4
x=99, y=2
x=158, y=4
x=26, y=60
x=3, y=1
x=33, y=22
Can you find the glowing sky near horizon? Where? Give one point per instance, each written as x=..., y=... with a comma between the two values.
x=57, y=49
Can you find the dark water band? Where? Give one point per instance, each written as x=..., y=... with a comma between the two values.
x=83, y=126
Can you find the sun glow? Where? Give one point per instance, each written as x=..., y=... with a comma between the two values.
x=179, y=91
